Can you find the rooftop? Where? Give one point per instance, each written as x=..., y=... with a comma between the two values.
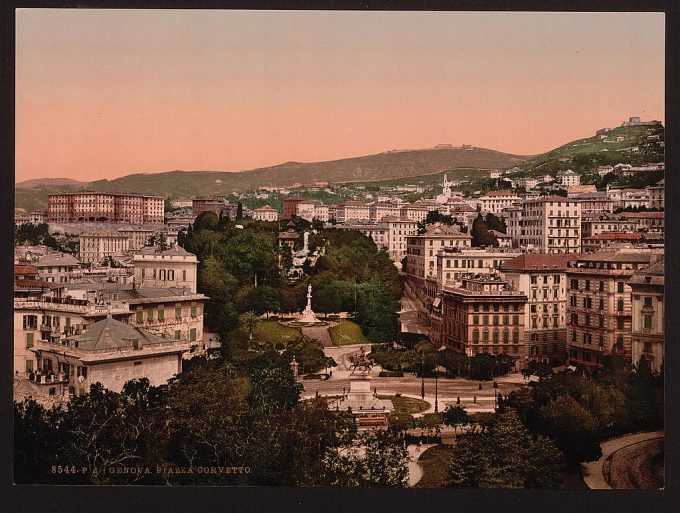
x=57, y=259
x=539, y=262
x=112, y=334
x=175, y=250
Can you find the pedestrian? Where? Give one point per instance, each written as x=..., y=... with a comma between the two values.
x=474, y=399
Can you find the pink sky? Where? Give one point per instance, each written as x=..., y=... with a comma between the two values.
x=106, y=93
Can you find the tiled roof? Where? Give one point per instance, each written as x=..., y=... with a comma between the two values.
x=500, y=193
x=112, y=334
x=103, y=233
x=175, y=250
x=501, y=234
x=644, y=215
x=614, y=236
x=25, y=269
x=543, y=199
x=539, y=262
x=610, y=256
x=58, y=259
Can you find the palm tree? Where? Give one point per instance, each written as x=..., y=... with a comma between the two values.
x=248, y=322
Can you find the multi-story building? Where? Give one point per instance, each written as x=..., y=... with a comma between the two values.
x=599, y=304
x=526, y=182
x=484, y=315
x=98, y=245
x=353, y=211
x=398, y=230
x=633, y=198
x=37, y=217
x=568, y=178
x=417, y=213
x=543, y=279
x=547, y=224
x=138, y=237
x=312, y=209
x=265, y=213
x=602, y=241
x=646, y=221
x=214, y=205
x=58, y=267
x=109, y=352
x=168, y=268
x=289, y=208
x=655, y=195
x=504, y=240
x=81, y=207
x=595, y=203
x=378, y=211
x=454, y=263
x=421, y=255
x=496, y=201
x=595, y=224
x=647, y=288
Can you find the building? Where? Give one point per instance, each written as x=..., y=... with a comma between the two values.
x=90, y=207
x=454, y=264
x=98, y=245
x=599, y=304
x=647, y=288
x=421, y=255
x=265, y=213
x=527, y=183
x=138, y=237
x=575, y=190
x=496, y=201
x=594, y=203
x=398, y=231
x=289, y=237
x=543, y=279
x=109, y=352
x=603, y=240
x=379, y=210
x=37, y=217
x=594, y=224
x=547, y=224
x=633, y=198
x=181, y=203
x=646, y=221
x=504, y=240
x=290, y=207
x=168, y=268
x=568, y=178
x=484, y=315
x=656, y=195
x=417, y=213
x=214, y=205
x=353, y=211
x=58, y=267
x=313, y=209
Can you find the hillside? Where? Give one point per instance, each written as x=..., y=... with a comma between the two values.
x=382, y=166
x=49, y=182
x=583, y=155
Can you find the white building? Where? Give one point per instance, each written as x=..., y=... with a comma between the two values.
x=496, y=201
x=98, y=245
x=56, y=267
x=568, y=178
x=527, y=182
x=655, y=195
x=547, y=224
x=265, y=213
x=170, y=268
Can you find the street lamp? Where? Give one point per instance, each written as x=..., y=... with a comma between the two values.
x=422, y=378
x=436, y=404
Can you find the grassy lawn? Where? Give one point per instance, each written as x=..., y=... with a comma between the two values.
x=347, y=333
x=407, y=404
x=273, y=332
x=435, y=462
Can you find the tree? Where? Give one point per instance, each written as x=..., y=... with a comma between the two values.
x=456, y=416
x=376, y=312
x=505, y=456
x=307, y=352
x=248, y=322
x=480, y=233
x=239, y=210
x=274, y=390
x=205, y=221
x=494, y=222
x=263, y=300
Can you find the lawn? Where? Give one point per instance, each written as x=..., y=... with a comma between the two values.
x=273, y=332
x=435, y=462
x=347, y=333
x=406, y=404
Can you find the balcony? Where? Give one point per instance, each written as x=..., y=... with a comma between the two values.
x=48, y=377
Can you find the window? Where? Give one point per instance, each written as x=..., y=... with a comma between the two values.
x=178, y=334
x=587, y=284
x=30, y=322
x=140, y=315
x=495, y=336
x=647, y=302
x=161, y=314
x=601, y=304
x=193, y=311
x=515, y=320
x=495, y=320
x=171, y=275
x=619, y=305
x=135, y=344
x=506, y=336
x=515, y=336
x=150, y=314
x=620, y=323
x=534, y=280
x=475, y=319
x=647, y=321
x=485, y=335
x=619, y=286
x=137, y=363
x=192, y=334
x=184, y=275
x=178, y=313
x=647, y=348
x=29, y=340
x=29, y=366
x=475, y=335
x=161, y=274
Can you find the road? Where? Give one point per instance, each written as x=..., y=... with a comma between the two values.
x=412, y=314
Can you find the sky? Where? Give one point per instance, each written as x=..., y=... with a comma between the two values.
x=107, y=93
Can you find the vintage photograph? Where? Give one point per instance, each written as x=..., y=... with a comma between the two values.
x=342, y=249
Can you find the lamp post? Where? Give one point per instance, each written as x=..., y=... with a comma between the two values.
x=436, y=403
x=422, y=378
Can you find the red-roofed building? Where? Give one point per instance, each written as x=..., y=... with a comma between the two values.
x=602, y=240
x=25, y=272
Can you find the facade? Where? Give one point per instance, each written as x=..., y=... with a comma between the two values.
x=353, y=211
x=290, y=207
x=421, y=255
x=108, y=352
x=595, y=224
x=200, y=205
x=604, y=240
x=378, y=211
x=80, y=207
x=58, y=267
x=37, y=217
x=599, y=305
x=417, y=213
x=656, y=195
x=398, y=230
x=484, y=315
x=595, y=203
x=454, y=264
x=568, y=178
x=97, y=245
x=138, y=237
x=504, y=240
x=647, y=288
x=548, y=224
x=543, y=279
x=646, y=221
x=265, y=213
x=312, y=209
x=496, y=201
x=170, y=268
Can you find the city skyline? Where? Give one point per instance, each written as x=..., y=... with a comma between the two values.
x=234, y=90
